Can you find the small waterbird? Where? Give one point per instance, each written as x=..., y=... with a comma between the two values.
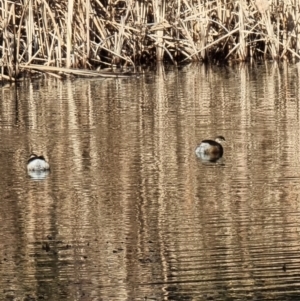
x=210, y=150
x=37, y=163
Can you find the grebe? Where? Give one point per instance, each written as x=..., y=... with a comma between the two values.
x=210, y=150
x=37, y=163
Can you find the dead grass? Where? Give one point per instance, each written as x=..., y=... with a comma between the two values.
x=91, y=34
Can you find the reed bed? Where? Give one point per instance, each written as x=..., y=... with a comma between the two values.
x=99, y=34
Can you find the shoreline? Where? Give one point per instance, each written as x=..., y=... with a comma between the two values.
x=92, y=36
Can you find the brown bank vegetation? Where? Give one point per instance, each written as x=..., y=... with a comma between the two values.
x=79, y=36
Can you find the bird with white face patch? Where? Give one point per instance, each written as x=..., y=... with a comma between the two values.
x=37, y=163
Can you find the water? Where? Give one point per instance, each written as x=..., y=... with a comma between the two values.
x=128, y=212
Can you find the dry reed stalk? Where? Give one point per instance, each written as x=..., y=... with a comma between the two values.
x=54, y=24
x=242, y=50
x=29, y=25
x=154, y=38
x=77, y=72
x=7, y=77
x=202, y=29
x=87, y=24
x=3, y=13
x=141, y=11
x=294, y=53
x=270, y=35
x=53, y=33
x=100, y=27
x=159, y=15
x=43, y=30
x=119, y=39
x=8, y=58
x=297, y=28
x=194, y=53
x=215, y=42
x=69, y=33
x=15, y=63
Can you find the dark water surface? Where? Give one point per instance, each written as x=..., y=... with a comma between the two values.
x=128, y=212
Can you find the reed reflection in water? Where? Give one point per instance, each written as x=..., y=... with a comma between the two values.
x=128, y=212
